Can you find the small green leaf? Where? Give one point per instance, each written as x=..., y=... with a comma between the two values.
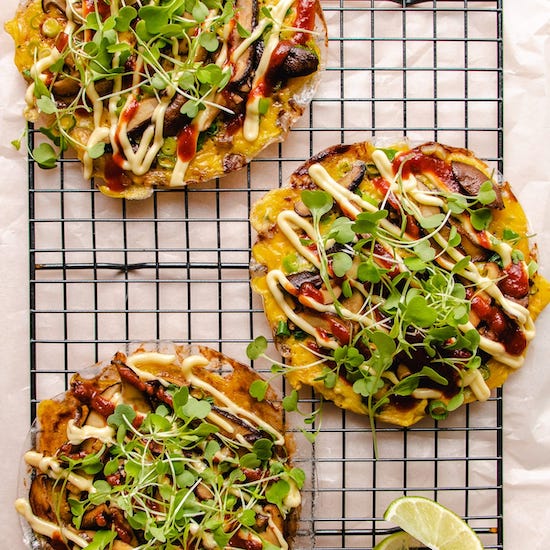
x=196, y=408
x=247, y=518
x=277, y=492
x=367, y=222
x=125, y=16
x=481, y=218
x=45, y=156
x=431, y=222
x=124, y=414
x=457, y=203
x=96, y=150
x=200, y=12
x=298, y=476
x=367, y=386
x=77, y=510
x=190, y=109
x=318, y=202
x=256, y=348
x=341, y=263
x=101, y=540
x=250, y=461
x=454, y=239
x=263, y=448
x=424, y=251
x=258, y=389
x=461, y=264
x=46, y=104
x=341, y=230
x=434, y=376
x=406, y=386
x=510, y=236
x=368, y=271
x=420, y=313
x=486, y=193
x=290, y=402
x=209, y=41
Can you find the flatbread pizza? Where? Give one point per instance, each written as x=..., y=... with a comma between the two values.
x=399, y=281
x=164, y=94
x=161, y=449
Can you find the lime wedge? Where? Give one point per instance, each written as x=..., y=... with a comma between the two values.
x=398, y=541
x=432, y=524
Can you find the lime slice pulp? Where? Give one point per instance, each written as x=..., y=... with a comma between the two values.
x=432, y=524
x=398, y=541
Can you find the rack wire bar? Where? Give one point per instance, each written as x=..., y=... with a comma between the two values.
x=105, y=272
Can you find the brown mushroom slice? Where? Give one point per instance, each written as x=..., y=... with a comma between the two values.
x=471, y=179
x=355, y=176
x=98, y=517
x=247, y=15
x=142, y=116
x=174, y=120
x=61, y=5
x=65, y=87
x=299, y=61
x=298, y=279
x=45, y=500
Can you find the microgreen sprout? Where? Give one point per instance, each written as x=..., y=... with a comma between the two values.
x=258, y=389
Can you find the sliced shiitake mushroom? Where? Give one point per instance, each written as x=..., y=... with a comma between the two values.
x=298, y=279
x=352, y=179
x=471, y=179
x=45, y=500
x=247, y=15
x=299, y=61
x=61, y=5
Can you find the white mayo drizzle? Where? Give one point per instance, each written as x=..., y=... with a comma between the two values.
x=47, y=528
x=37, y=71
x=76, y=435
x=51, y=467
x=251, y=127
x=479, y=388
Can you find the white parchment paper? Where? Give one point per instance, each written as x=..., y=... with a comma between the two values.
x=526, y=403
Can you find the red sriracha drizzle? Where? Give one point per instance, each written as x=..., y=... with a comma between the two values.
x=187, y=143
x=113, y=171
x=506, y=330
x=416, y=162
x=305, y=19
x=103, y=8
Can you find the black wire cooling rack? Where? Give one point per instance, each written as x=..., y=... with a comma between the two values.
x=105, y=272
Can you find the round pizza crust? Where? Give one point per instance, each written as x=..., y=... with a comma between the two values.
x=75, y=425
x=147, y=106
x=285, y=254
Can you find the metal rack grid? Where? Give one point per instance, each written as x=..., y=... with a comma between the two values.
x=175, y=267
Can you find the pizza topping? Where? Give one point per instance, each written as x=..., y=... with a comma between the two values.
x=186, y=473
x=396, y=305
